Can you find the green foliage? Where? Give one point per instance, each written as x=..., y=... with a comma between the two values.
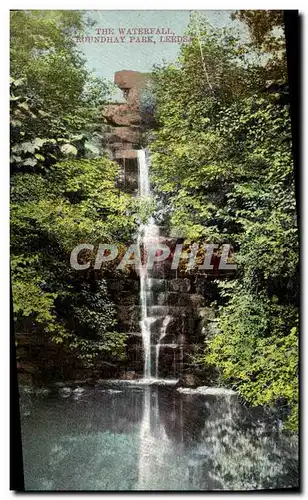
x=222, y=161
x=43, y=51
x=266, y=28
x=29, y=298
x=44, y=61
x=62, y=188
x=51, y=212
x=257, y=348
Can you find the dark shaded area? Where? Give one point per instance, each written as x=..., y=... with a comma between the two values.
x=16, y=461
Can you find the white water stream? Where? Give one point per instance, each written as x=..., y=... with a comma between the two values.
x=162, y=335
x=148, y=235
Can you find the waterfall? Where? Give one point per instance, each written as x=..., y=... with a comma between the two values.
x=143, y=173
x=148, y=234
x=145, y=320
x=162, y=334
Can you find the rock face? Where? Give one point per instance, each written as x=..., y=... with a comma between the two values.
x=44, y=362
x=131, y=82
x=190, y=319
x=121, y=115
x=125, y=132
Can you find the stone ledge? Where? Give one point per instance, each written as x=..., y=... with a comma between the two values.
x=125, y=153
x=121, y=114
x=123, y=134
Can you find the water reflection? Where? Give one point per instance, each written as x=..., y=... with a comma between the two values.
x=152, y=438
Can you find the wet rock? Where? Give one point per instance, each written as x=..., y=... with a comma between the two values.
x=190, y=380
x=208, y=391
x=129, y=375
x=186, y=390
x=179, y=384
x=78, y=390
x=65, y=392
x=216, y=391
x=156, y=324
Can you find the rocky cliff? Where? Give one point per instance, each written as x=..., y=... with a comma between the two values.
x=125, y=119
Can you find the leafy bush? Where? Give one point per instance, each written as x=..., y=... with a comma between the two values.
x=222, y=160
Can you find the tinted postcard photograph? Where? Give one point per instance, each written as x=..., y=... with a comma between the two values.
x=154, y=249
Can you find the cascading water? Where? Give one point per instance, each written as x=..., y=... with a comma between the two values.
x=148, y=235
x=162, y=334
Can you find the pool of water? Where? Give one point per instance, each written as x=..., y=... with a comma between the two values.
x=123, y=437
